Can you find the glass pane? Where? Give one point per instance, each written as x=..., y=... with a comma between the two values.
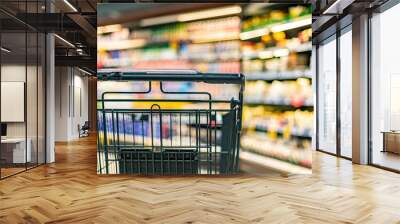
x=386, y=89
x=23, y=87
x=41, y=99
x=15, y=150
x=327, y=96
x=346, y=94
x=32, y=97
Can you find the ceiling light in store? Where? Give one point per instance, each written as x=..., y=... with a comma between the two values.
x=291, y=25
x=185, y=17
x=84, y=71
x=281, y=52
x=159, y=20
x=70, y=5
x=64, y=40
x=79, y=51
x=254, y=33
x=109, y=29
x=337, y=7
x=331, y=7
x=5, y=50
x=120, y=45
x=210, y=13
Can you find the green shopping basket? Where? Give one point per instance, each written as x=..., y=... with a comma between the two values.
x=151, y=140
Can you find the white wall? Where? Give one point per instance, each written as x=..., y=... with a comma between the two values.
x=16, y=73
x=71, y=94
x=12, y=73
x=62, y=82
x=80, y=109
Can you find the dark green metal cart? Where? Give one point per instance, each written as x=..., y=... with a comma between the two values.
x=151, y=140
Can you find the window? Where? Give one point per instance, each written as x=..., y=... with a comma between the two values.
x=327, y=95
x=385, y=89
x=22, y=87
x=346, y=92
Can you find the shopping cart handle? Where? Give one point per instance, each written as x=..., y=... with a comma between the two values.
x=170, y=75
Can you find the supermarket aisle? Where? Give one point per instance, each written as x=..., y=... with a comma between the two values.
x=69, y=191
x=269, y=43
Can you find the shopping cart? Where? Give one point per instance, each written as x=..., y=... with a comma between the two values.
x=202, y=138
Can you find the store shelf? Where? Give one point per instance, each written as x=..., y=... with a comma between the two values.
x=276, y=27
x=268, y=79
x=272, y=163
x=293, y=134
x=276, y=52
x=129, y=44
x=213, y=40
x=209, y=45
x=280, y=106
x=271, y=76
x=140, y=43
x=303, y=47
x=262, y=145
x=196, y=61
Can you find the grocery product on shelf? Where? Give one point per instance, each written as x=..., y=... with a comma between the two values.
x=214, y=30
x=222, y=67
x=272, y=49
x=294, y=93
x=278, y=117
x=277, y=16
x=262, y=145
x=288, y=124
x=277, y=42
x=211, y=52
x=210, y=45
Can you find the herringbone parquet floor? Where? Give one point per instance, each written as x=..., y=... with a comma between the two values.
x=69, y=191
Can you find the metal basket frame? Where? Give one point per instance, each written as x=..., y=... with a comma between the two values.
x=205, y=147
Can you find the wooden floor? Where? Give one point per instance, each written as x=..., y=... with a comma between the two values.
x=10, y=171
x=386, y=159
x=69, y=191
